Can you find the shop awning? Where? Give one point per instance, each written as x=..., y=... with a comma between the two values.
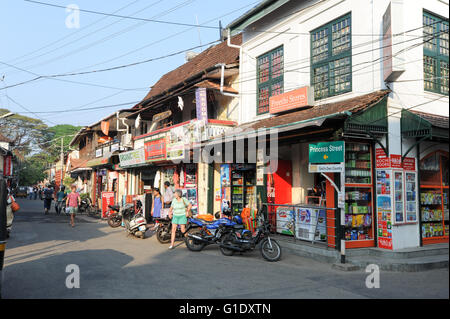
x=372, y=119
x=415, y=124
x=99, y=162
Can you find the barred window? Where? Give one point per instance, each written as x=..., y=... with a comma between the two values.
x=331, y=64
x=435, y=53
x=270, y=78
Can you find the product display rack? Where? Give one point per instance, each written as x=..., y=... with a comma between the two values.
x=434, y=193
x=359, y=231
x=243, y=187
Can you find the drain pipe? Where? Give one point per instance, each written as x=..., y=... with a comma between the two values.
x=241, y=51
x=123, y=122
x=222, y=82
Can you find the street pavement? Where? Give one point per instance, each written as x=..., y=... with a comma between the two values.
x=114, y=265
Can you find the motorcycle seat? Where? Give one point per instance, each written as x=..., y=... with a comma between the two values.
x=238, y=226
x=206, y=222
x=114, y=207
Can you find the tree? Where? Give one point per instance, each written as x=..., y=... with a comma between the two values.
x=24, y=132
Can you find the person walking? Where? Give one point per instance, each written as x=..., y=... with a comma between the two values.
x=48, y=196
x=167, y=198
x=73, y=200
x=60, y=197
x=30, y=192
x=35, y=192
x=180, y=210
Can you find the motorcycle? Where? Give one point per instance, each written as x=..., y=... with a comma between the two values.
x=114, y=216
x=202, y=233
x=85, y=206
x=135, y=223
x=235, y=240
x=163, y=229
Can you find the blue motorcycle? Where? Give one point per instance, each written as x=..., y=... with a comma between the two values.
x=202, y=233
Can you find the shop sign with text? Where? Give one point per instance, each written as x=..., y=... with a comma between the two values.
x=327, y=152
x=108, y=198
x=155, y=150
x=132, y=158
x=296, y=99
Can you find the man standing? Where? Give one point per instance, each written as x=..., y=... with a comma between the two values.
x=48, y=196
x=35, y=192
x=167, y=198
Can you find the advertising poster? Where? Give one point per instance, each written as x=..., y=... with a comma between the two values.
x=225, y=185
x=411, y=197
x=384, y=209
x=108, y=198
x=155, y=150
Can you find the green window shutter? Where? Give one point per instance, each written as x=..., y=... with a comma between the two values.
x=270, y=78
x=331, y=62
x=435, y=53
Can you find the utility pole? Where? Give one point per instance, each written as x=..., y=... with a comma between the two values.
x=62, y=161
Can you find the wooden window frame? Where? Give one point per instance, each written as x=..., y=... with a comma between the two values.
x=271, y=81
x=327, y=62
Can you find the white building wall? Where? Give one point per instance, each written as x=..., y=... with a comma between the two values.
x=367, y=23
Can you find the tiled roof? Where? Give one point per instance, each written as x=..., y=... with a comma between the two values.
x=435, y=120
x=215, y=86
x=220, y=53
x=4, y=139
x=77, y=163
x=353, y=105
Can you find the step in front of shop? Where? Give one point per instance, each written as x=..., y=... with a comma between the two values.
x=416, y=252
x=317, y=251
x=401, y=264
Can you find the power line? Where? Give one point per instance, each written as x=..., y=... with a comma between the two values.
x=66, y=37
x=109, y=37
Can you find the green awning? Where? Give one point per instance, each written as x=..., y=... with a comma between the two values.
x=421, y=125
x=373, y=119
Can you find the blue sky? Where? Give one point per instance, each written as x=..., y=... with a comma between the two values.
x=35, y=39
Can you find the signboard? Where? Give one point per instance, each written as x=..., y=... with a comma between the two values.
x=99, y=152
x=291, y=100
x=409, y=164
x=114, y=147
x=326, y=168
x=161, y=116
x=175, y=151
x=201, y=101
x=7, y=166
x=104, y=127
x=327, y=152
x=108, y=198
x=387, y=44
x=396, y=161
x=132, y=158
x=155, y=150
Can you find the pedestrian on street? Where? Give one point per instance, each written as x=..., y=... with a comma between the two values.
x=157, y=203
x=48, y=197
x=180, y=210
x=35, y=192
x=30, y=192
x=72, y=202
x=60, y=198
x=167, y=198
x=40, y=192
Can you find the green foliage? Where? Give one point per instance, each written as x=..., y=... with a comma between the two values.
x=31, y=171
x=68, y=181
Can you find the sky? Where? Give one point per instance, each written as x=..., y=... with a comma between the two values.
x=39, y=40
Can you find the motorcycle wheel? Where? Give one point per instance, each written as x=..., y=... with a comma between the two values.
x=191, y=243
x=163, y=235
x=227, y=240
x=270, y=254
x=114, y=222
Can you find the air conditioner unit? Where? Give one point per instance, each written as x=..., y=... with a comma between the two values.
x=127, y=140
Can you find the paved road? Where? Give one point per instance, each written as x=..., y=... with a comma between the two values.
x=113, y=265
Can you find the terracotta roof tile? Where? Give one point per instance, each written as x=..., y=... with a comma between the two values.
x=353, y=105
x=220, y=53
x=215, y=86
x=435, y=120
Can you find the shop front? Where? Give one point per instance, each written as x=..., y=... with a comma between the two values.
x=427, y=135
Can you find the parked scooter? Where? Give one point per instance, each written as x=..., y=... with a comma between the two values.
x=235, y=240
x=135, y=223
x=202, y=233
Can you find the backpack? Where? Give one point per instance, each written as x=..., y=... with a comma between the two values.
x=48, y=193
